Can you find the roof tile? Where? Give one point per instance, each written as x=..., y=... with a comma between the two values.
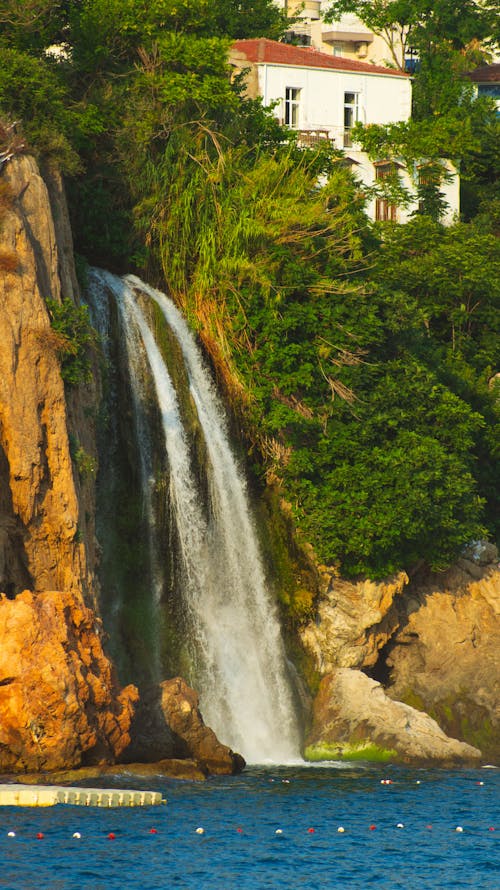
x=262, y=50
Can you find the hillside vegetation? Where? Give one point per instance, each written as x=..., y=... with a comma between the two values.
x=359, y=358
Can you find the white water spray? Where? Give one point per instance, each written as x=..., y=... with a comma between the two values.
x=244, y=689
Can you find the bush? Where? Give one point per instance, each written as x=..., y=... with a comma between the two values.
x=73, y=326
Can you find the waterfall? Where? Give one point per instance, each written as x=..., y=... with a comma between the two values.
x=238, y=655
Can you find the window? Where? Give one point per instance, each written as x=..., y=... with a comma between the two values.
x=384, y=211
x=292, y=107
x=337, y=49
x=351, y=115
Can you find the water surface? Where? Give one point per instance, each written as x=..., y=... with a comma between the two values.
x=239, y=847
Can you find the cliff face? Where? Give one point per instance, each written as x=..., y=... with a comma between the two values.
x=40, y=537
x=432, y=642
x=59, y=701
x=445, y=659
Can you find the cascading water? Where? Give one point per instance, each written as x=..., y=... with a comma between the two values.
x=240, y=666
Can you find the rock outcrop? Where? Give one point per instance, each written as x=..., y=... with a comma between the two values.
x=60, y=704
x=353, y=622
x=168, y=724
x=433, y=641
x=42, y=529
x=355, y=719
x=446, y=657
x=180, y=705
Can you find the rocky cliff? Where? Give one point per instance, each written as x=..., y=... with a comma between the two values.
x=410, y=669
x=41, y=539
x=59, y=700
x=61, y=705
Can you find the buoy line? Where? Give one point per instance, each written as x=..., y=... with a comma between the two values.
x=279, y=832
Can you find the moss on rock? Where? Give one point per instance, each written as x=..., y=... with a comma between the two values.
x=349, y=751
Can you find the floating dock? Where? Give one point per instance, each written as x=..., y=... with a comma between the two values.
x=17, y=795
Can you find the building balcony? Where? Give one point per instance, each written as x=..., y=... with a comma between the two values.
x=338, y=137
x=310, y=138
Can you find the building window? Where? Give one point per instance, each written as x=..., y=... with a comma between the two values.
x=351, y=115
x=292, y=107
x=337, y=49
x=384, y=211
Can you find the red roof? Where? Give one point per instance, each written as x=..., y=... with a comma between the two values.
x=485, y=74
x=262, y=50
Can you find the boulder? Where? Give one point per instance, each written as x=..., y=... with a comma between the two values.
x=354, y=719
x=168, y=724
x=60, y=704
x=179, y=704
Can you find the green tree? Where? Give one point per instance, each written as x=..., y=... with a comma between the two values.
x=424, y=25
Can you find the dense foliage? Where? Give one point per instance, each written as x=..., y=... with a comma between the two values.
x=72, y=325
x=360, y=360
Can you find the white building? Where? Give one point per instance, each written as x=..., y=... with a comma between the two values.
x=347, y=37
x=323, y=96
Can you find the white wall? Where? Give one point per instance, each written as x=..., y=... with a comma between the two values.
x=383, y=99
x=364, y=170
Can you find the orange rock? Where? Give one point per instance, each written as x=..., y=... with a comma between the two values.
x=60, y=702
x=180, y=706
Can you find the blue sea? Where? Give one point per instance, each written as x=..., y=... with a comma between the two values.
x=269, y=828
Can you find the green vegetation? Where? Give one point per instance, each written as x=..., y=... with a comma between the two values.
x=75, y=334
x=357, y=357
x=366, y=750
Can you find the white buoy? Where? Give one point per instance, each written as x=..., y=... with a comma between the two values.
x=200, y=831
x=400, y=825
x=76, y=834
x=11, y=834
x=278, y=831
x=341, y=829
x=459, y=828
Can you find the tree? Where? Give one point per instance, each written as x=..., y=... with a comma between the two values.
x=424, y=25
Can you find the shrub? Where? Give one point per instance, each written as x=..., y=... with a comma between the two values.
x=76, y=334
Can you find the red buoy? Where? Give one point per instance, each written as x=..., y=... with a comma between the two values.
x=39, y=835
x=111, y=836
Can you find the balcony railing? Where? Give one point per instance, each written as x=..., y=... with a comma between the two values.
x=309, y=138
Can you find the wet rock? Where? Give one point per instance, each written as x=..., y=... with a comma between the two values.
x=171, y=768
x=180, y=706
x=354, y=719
x=60, y=704
x=168, y=725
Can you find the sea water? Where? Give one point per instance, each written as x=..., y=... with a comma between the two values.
x=269, y=828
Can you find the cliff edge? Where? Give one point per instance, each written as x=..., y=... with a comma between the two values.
x=61, y=705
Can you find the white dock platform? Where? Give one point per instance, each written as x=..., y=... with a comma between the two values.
x=17, y=795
